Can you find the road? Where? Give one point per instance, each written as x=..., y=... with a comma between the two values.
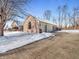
x=62, y=46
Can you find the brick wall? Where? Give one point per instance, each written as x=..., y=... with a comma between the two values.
x=34, y=25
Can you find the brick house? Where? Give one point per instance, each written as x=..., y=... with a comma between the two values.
x=34, y=25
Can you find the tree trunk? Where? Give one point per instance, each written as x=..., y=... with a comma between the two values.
x=2, y=22
x=1, y=29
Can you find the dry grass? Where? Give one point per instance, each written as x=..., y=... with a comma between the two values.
x=63, y=46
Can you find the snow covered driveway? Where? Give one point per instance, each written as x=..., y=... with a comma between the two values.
x=13, y=40
x=70, y=31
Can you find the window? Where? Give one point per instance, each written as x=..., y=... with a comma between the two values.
x=29, y=25
x=40, y=24
x=45, y=28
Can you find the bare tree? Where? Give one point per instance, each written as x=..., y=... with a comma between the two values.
x=64, y=11
x=10, y=9
x=62, y=15
x=69, y=19
x=54, y=20
x=59, y=18
x=47, y=14
x=75, y=17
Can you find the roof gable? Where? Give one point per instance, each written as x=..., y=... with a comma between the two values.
x=30, y=17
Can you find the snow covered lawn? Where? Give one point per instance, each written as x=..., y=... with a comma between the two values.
x=70, y=31
x=13, y=40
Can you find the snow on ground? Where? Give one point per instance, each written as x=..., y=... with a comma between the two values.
x=14, y=33
x=13, y=40
x=70, y=31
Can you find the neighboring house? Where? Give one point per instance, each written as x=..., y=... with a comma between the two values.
x=16, y=25
x=34, y=25
x=13, y=26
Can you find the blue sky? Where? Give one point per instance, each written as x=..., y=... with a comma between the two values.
x=37, y=7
